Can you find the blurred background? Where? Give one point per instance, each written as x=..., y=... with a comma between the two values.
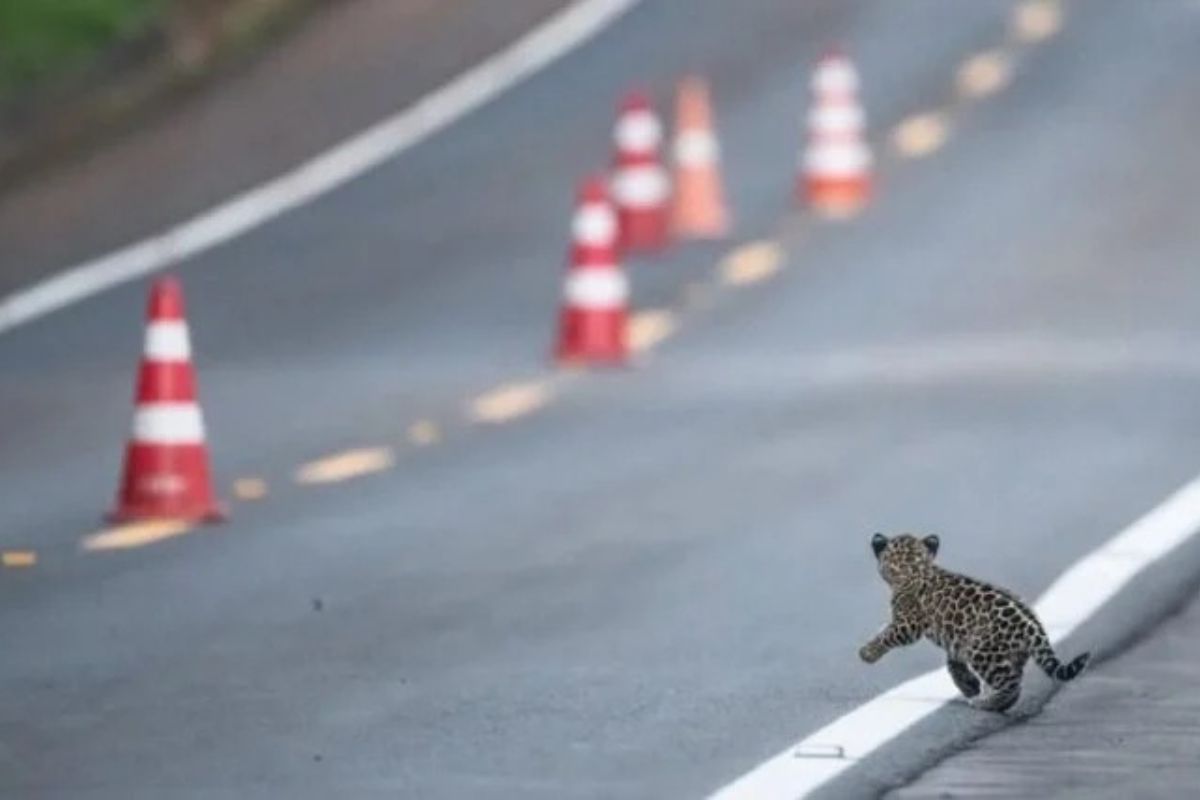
x=69, y=67
x=496, y=398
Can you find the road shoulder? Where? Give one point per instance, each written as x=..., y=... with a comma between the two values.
x=901, y=767
x=349, y=66
x=1128, y=728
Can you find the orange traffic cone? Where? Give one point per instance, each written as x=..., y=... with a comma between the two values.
x=835, y=177
x=166, y=471
x=699, y=210
x=641, y=187
x=592, y=327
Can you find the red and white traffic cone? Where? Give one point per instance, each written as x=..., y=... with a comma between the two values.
x=835, y=172
x=166, y=474
x=641, y=186
x=595, y=313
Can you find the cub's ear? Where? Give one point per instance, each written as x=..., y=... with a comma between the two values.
x=878, y=542
x=932, y=543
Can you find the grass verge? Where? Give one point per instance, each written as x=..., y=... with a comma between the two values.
x=40, y=39
x=79, y=72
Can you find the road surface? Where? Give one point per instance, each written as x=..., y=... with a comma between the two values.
x=662, y=575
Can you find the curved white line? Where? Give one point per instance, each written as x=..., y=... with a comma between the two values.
x=1069, y=602
x=542, y=46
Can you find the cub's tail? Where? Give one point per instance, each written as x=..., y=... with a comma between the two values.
x=1043, y=654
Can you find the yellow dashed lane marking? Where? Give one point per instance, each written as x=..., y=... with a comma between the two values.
x=920, y=135
x=249, y=488
x=424, y=433
x=136, y=534
x=984, y=73
x=649, y=328
x=752, y=263
x=347, y=465
x=18, y=558
x=508, y=402
x=1037, y=20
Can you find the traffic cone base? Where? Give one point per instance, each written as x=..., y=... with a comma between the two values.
x=594, y=318
x=593, y=337
x=161, y=483
x=835, y=197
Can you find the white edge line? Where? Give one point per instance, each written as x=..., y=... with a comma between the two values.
x=540, y=47
x=1069, y=602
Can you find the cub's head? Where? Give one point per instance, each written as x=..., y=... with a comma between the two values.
x=904, y=556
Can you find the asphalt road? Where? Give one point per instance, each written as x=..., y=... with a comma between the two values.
x=663, y=576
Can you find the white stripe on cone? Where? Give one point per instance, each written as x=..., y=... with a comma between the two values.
x=696, y=149
x=601, y=288
x=639, y=132
x=840, y=118
x=837, y=160
x=168, y=423
x=835, y=77
x=641, y=187
x=595, y=225
x=168, y=341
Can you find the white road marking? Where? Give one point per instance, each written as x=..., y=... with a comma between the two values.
x=1069, y=602
x=542, y=46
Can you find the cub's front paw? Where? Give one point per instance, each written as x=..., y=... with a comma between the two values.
x=870, y=653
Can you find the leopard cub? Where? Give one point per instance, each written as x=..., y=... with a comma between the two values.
x=987, y=632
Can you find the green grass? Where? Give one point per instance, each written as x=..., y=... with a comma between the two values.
x=41, y=38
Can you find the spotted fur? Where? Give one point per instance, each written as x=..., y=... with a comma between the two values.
x=987, y=632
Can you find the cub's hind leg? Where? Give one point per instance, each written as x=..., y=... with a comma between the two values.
x=1001, y=683
x=963, y=678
